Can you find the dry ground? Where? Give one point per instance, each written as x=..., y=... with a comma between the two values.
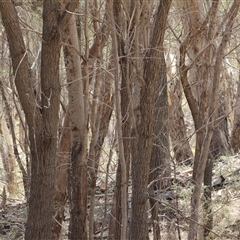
x=226, y=207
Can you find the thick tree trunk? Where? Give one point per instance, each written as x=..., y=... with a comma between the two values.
x=40, y=219
x=42, y=123
x=160, y=158
x=142, y=145
x=63, y=161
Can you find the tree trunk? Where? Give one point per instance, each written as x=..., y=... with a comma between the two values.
x=14, y=146
x=61, y=177
x=160, y=158
x=142, y=145
x=115, y=225
x=177, y=128
x=119, y=118
x=219, y=145
x=40, y=218
x=100, y=115
x=78, y=169
x=205, y=123
x=43, y=121
x=6, y=149
x=235, y=136
x=63, y=160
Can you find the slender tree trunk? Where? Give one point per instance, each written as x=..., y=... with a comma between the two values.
x=61, y=177
x=235, y=135
x=115, y=225
x=15, y=145
x=204, y=135
x=207, y=200
x=122, y=161
x=7, y=156
x=97, y=116
x=177, y=127
x=78, y=169
x=219, y=145
x=103, y=115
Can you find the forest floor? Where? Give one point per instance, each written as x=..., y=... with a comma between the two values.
x=226, y=206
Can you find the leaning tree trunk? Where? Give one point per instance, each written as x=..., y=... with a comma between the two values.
x=177, y=127
x=25, y=176
x=204, y=123
x=219, y=145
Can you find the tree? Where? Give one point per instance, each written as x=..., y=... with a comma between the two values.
x=78, y=133
x=177, y=126
x=72, y=55
x=120, y=199
x=42, y=120
x=7, y=157
x=142, y=146
x=203, y=101
x=61, y=177
x=235, y=141
x=95, y=82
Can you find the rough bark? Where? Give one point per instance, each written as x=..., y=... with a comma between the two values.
x=42, y=122
x=160, y=157
x=207, y=122
x=142, y=146
x=40, y=218
x=19, y=60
